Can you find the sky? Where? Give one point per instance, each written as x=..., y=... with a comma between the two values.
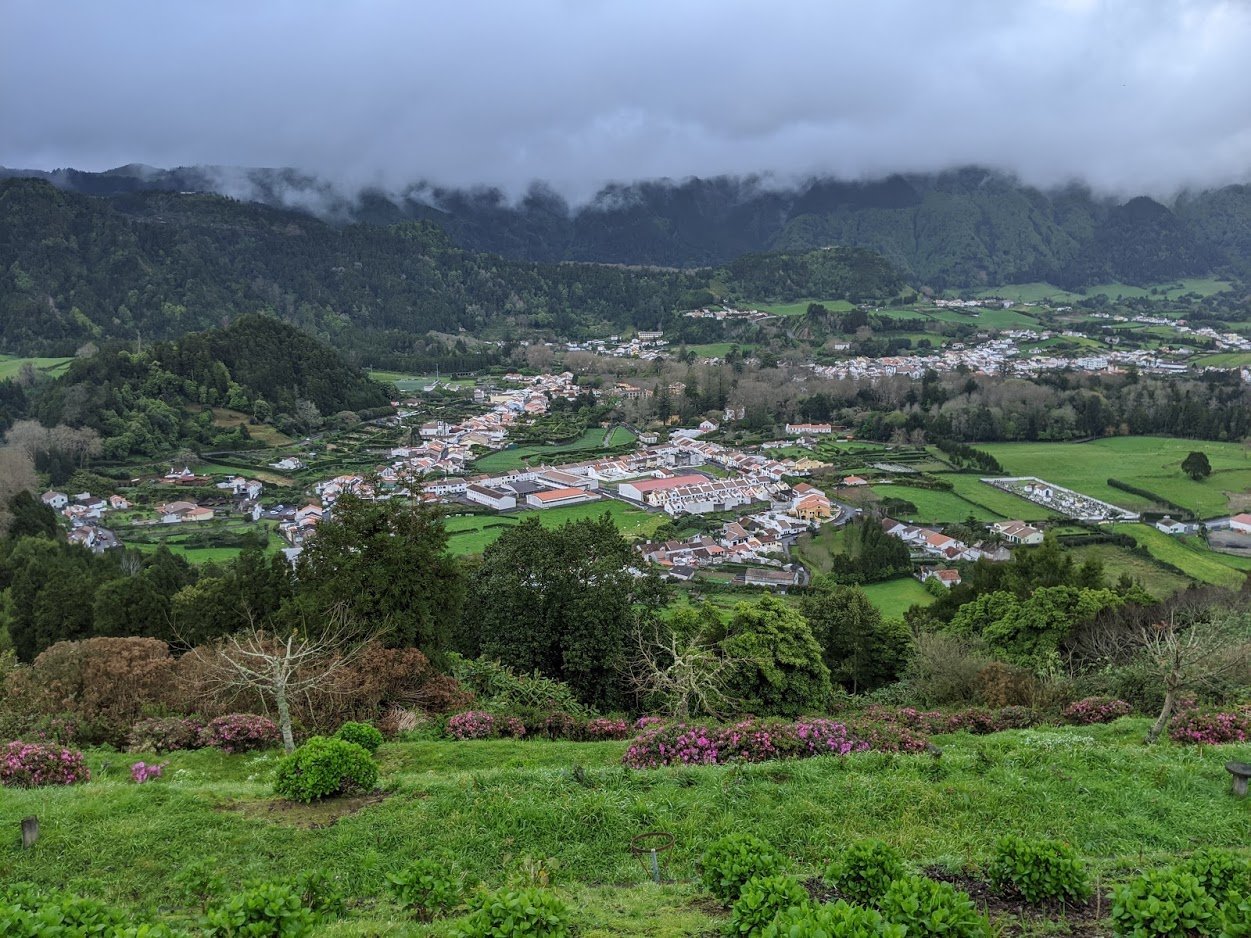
x=1128, y=96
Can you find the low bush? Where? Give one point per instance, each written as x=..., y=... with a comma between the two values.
x=142, y=772
x=26, y=910
x=827, y=921
x=605, y=728
x=512, y=727
x=427, y=888
x=929, y=909
x=508, y=913
x=240, y=732
x=1168, y=903
x=472, y=724
x=367, y=737
x=887, y=737
x=864, y=871
x=1219, y=872
x=261, y=910
x=1040, y=871
x=1017, y=718
x=165, y=734
x=321, y=895
x=33, y=765
x=1092, y=710
x=323, y=768
x=1236, y=916
x=746, y=741
x=1210, y=727
x=761, y=900
x=730, y=862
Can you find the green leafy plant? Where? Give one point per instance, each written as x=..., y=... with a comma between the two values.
x=929, y=909
x=321, y=895
x=864, y=871
x=427, y=887
x=27, y=910
x=521, y=912
x=827, y=921
x=1040, y=871
x=734, y=859
x=1219, y=871
x=1168, y=903
x=265, y=910
x=1236, y=916
x=325, y=767
x=367, y=737
x=761, y=900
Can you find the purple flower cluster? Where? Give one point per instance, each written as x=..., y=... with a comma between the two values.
x=604, y=728
x=643, y=723
x=472, y=724
x=745, y=741
x=513, y=727
x=974, y=720
x=30, y=765
x=166, y=734
x=143, y=771
x=1092, y=710
x=240, y=732
x=1209, y=728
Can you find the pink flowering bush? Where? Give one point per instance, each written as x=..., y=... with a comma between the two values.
x=745, y=741
x=604, y=728
x=240, y=732
x=1208, y=728
x=165, y=734
x=143, y=771
x=643, y=723
x=1093, y=710
x=472, y=724
x=30, y=765
x=887, y=737
x=513, y=727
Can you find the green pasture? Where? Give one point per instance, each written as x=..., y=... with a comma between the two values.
x=800, y=307
x=895, y=597
x=11, y=366
x=471, y=534
x=592, y=441
x=1199, y=563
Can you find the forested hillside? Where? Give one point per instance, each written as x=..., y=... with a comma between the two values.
x=155, y=265
x=962, y=228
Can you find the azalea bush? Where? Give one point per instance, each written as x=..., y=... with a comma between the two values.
x=605, y=728
x=745, y=741
x=1210, y=727
x=142, y=772
x=472, y=724
x=165, y=734
x=240, y=732
x=1092, y=710
x=33, y=765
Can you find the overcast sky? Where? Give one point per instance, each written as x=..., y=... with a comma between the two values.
x=1128, y=95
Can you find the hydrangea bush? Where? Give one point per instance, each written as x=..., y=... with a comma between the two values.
x=32, y=765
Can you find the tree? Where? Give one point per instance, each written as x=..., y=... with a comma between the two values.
x=779, y=668
x=563, y=601
x=862, y=651
x=1196, y=466
x=281, y=667
x=677, y=669
x=1191, y=655
x=386, y=563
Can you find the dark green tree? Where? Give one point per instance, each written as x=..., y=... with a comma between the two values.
x=778, y=662
x=385, y=565
x=861, y=650
x=1196, y=466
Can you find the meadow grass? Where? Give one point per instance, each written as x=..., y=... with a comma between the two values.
x=1005, y=504
x=1226, y=360
x=1149, y=462
x=11, y=366
x=893, y=598
x=1155, y=579
x=800, y=307
x=499, y=808
x=935, y=506
x=471, y=534
x=1206, y=566
x=592, y=440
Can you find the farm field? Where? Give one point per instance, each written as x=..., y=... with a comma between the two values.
x=591, y=441
x=972, y=488
x=1226, y=360
x=471, y=534
x=895, y=597
x=408, y=382
x=502, y=809
x=1206, y=566
x=935, y=506
x=1151, y=463
x=800, y=307
x=1117, y=560
x=1037, y=292
x=262, y=432
x=983, y=318
x=11, y=365
x=193, y=554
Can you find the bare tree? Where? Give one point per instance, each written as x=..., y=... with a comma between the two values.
x=686, y=673
x=284, y=667
x=1192, y=656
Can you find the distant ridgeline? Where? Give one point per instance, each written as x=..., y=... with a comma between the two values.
x=962, y=228
x=155, y=265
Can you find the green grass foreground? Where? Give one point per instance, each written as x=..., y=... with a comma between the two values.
x=499, y=807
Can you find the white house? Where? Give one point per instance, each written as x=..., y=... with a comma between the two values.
x=1241, y=523
x=492, y=498
x=55, y=500
x=1169, y=526
x=1018, y=532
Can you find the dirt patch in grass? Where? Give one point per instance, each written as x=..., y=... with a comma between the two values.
x=305, y=816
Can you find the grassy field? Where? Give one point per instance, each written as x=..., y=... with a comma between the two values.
x=11, y=365
x=503, y=809
x=195, y=554
x=973, y=489
x=1204, y=565
x=712, y=349
x=1038, y=292
x=1152, y=463
x=936, y=506
x=407, y=382
x=591, y=441
x=1226, y=360
x=800, y=307
x=1116, y=561
x=263, y=432
x=471, y=534
x=982, y=318
x=895, y=597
